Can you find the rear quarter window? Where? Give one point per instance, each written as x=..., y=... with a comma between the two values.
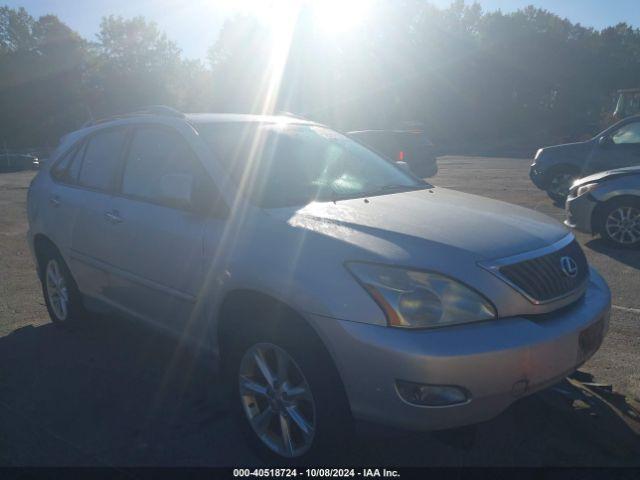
x=66, y=168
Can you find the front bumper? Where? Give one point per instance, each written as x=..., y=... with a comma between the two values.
x=495, y=361
x=579, y=212
x=537, y=176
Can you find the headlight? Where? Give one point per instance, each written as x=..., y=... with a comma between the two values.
x=585, y=189
x=417, y=299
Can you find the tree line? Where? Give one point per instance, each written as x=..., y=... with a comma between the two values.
x=470, y=77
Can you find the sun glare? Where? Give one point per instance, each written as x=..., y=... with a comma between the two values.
x=339, y=16
x=329, y=16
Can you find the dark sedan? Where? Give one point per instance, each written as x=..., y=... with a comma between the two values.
x=556, y=168
x=11, y=162
x=409, y=146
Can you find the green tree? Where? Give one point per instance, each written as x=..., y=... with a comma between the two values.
x=41, y=70
x=134, y=65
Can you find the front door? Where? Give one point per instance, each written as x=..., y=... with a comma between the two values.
x=621, y=150
x=160, y=263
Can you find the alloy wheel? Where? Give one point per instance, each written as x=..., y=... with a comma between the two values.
x=57, y=291
x=623, y=225
x=277, y=400
x=560, y=184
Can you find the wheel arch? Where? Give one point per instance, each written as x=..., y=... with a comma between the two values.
x=565, y=167
x=246, y=308
x=597, y=216
x=42, y=243
x=242, y=308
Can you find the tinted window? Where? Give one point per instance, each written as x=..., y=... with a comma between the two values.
x=59, y=170
x=161, y=167
x=76, y=163
x=101, y=159
x=629, y=133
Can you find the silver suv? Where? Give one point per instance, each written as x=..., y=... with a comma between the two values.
x=331, y=284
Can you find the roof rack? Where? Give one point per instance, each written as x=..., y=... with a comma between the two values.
x=161, y=110
x=292, y=115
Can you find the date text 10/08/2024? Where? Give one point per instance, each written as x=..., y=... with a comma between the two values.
x=316, y=472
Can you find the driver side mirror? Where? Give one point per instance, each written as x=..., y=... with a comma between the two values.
x=605, y=141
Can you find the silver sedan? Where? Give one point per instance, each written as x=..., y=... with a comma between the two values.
x=607, y=204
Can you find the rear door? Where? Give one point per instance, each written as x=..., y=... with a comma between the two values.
x=160, y=264
x=92, y=242
x=64, y=199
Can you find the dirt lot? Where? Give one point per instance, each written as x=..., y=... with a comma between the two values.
x=113, y=393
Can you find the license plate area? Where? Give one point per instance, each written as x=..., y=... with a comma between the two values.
x=590, y=339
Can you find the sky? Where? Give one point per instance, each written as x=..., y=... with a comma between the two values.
x=194, y=24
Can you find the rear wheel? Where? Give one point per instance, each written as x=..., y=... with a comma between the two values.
x=620, y=223
x=61, y=294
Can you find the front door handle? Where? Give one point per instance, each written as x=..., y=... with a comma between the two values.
x=54, y=200
x=113, y=217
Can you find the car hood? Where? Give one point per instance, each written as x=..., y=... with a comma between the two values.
x=608, y=175
x=567, y=151
x=418, y=220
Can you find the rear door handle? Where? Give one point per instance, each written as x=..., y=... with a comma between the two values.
x=113, y=217
x=54, y=200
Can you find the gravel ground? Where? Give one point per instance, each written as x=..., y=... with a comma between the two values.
x=113, y=393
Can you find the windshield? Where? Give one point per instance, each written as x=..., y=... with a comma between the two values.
x=277, y=165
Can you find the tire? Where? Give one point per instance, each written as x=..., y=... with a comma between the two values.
x=61, y=294
x=619, y=223
x=559, y=183
x=312, y=396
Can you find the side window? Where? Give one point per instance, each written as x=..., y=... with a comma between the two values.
x=62, y=169
x=101, y=159
x=629, y=133
x=74, y=169
x=59, y=168
x=161, y=168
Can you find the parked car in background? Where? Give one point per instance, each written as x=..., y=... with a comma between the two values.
x=330, y=284
x=607, y=204
x=410, y=146
x=10, y=162
x=556, y=168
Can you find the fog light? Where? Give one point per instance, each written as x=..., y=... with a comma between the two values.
x=431, y=395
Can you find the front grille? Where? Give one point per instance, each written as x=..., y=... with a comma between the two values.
x=543, y=278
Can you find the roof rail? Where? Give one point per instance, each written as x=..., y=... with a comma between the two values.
x=292, y=115
x=161, y=110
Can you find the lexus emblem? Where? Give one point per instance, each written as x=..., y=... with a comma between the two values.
x=569, y=267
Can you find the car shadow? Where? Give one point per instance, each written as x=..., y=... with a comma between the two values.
x=112, y=392
x=630, y=257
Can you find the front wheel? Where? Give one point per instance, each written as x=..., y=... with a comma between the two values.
x=277, y=400
x=559, y=185
x=620, y=224
x=288, y=400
